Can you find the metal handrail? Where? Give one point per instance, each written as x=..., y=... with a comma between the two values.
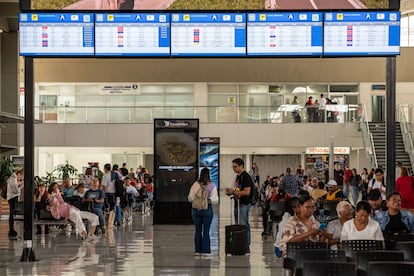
x=406, y=133
x=367, y=138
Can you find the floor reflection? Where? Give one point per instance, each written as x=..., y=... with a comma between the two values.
x=141, y=248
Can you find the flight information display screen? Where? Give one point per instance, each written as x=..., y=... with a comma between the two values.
x=284, y=33
x=208, y=34
x=56, y=34
x=137, y=34
x=362, y=33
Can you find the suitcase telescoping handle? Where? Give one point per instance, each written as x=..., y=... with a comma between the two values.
x=232, y=209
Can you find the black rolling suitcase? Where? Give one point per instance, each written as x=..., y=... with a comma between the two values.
x=236, y=238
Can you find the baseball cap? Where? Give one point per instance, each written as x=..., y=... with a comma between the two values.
x=331, y=183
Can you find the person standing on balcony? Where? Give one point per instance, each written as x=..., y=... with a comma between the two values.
x=321, y=108
x=310, y=109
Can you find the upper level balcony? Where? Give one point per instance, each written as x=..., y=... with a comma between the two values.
x=287, y=113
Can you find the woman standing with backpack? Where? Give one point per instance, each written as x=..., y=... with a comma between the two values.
x=202, y=194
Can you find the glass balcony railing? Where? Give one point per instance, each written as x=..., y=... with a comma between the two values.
x=206, y=114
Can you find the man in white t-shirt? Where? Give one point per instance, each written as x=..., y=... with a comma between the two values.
x=321, y=108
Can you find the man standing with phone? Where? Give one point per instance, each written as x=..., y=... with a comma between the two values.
x=241, y=192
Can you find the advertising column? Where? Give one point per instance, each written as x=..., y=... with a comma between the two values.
x=176, y=168
x=210, y=158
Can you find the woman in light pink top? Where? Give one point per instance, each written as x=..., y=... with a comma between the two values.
x=60, y=209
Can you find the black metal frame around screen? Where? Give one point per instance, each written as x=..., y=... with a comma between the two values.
x=212, y=56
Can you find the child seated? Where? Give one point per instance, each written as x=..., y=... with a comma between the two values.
x=131, y=190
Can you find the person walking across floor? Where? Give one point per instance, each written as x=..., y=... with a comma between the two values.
x=202, y=218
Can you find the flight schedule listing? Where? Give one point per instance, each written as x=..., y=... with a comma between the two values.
x=285, y=34
x=138, y=34
x=208, y=34
x=362, y=33
x=66, y=34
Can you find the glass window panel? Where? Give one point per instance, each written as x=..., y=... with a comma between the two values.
x=149, y=100
x=404, y=31
x=119, y=115
x=151, y=89
x=95, y=115
x=179, y=89
x=351, y=99
x=90, y=100
x=411, y=31
x=222, y=88
x=120, y=100
x=143, y=115
x=179, y=100
x=256, y=88
x=343, y=88
x=88, y=89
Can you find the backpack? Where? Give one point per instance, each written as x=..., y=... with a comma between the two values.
x=254, y=195
x=4, y=192
x=200, y=198
x=120, y=190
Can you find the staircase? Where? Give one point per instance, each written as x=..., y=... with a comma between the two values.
x=378, y=131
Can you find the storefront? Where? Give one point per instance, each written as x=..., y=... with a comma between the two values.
x=317, y=159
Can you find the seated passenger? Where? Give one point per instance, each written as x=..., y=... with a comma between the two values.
x=303, y=226
x=292, y=209
x=334, y=193
x=362, y=227
x=60, y=209
x=40, y=199
x=319, y=192
x=97, y=197
x=68, y=189
x=395, y=221
x=80, y=191
x=376, y=202
x=334, y=229
x=131, y=190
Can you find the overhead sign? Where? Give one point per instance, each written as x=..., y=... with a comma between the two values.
x=284, y=34
x=325, y=150
x=120, y=89
x=361, y=33
x=208, y=34
x=56, y=34
x=132, y=34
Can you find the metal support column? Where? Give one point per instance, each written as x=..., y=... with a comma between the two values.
x=390, y=122
x=28, y=254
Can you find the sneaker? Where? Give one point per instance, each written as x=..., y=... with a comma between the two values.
x=197, y=254
x=12, y=233
x=206, y=254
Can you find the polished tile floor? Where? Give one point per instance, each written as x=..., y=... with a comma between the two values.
x=141, y=249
